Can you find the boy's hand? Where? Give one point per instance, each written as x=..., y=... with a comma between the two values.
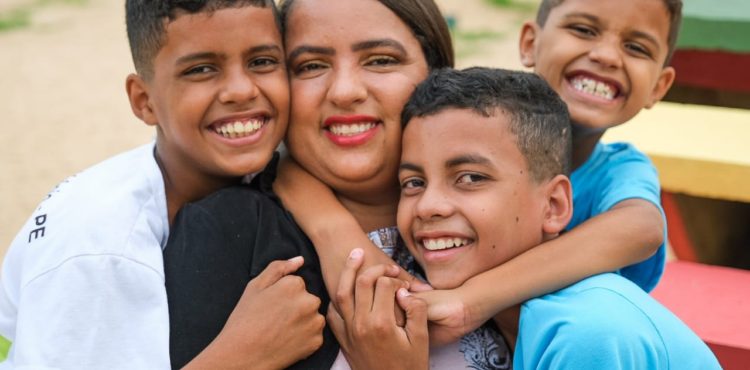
x=275, y=324
x=449, y=317
x=367, y=329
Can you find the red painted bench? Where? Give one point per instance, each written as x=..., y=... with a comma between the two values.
x=713, y=301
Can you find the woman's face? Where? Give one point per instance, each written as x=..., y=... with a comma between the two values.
x=353, y=65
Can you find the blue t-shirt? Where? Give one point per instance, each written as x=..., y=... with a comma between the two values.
x=614, y=173
x=605, y=322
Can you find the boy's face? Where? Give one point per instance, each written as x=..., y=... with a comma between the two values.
x=219, y=93
x=468, y=202
x=604, y=58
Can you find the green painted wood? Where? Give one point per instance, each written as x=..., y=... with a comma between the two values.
x=716, y=24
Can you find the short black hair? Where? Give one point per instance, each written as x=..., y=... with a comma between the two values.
x=674, y=8
x=424, y=19
x=538, y=117
x=146, y=21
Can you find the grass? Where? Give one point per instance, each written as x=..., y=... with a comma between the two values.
x=525, y=6
x=15, y=18
x=469, y=43
x=21, y=16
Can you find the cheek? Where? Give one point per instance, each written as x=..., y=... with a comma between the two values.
x=305, y=98
x=276, y=89
x=403, y=215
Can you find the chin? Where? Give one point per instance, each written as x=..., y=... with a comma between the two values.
x=445, y=280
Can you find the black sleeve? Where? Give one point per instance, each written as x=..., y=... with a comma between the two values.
x=216, y=246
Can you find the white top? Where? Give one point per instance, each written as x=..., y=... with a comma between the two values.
x=83, y=282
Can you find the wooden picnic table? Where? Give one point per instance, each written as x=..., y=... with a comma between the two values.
x=713, y=54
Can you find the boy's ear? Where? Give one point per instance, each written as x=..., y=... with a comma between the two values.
x=527, y=43
x=140, y=101
x=559, y=205
x=666, y=78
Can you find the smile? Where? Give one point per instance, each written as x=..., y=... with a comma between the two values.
x=444, y=243
x=351, y=129
x=591, y=86
x=239, y=128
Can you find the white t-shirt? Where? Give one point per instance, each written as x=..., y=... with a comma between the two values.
x=83, y=282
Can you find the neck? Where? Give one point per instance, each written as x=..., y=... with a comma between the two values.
x=507, y=321
x=584, y=142
x=373, y=212
x=183, y=185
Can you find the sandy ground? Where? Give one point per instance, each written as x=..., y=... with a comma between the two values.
x=62, y=95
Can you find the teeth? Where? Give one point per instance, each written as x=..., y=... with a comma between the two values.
x=443, y=243
x=238, y=129
x=351, y=129
x=594, y=87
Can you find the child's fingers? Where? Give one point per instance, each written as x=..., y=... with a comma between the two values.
x=275, y=271
x=416, y=316
x=365, y=286
x=384, y=304
x=344, y=299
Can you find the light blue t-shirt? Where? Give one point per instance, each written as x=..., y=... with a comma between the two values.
x=617, y=172
x=605, y=322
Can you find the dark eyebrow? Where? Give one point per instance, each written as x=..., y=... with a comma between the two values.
x=453, y=162
x=266, y=47
x=310, y=49
x=371, y=44
x=587, y=16
x=467, y=159
x=211, y=55
x=410, y=167
x=195, y=57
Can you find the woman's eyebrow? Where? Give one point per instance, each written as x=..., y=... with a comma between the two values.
x=310, y=49
x=371, y=44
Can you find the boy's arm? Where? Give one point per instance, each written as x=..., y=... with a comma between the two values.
x=264, y=333
x=628, y=233
x=336, y=233
x=104, y=311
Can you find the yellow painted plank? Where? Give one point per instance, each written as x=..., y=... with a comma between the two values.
x=698, y=150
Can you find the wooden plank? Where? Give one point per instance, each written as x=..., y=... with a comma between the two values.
x=698, y=150
x=698, y=68
x=715, y=24
x=713, y=301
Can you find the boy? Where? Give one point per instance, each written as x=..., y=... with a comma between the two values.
x=83, y=282
x=485, y=153
x=607, y=60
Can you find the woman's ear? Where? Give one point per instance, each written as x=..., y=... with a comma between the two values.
x=559, y=205
x=527, y=43
x=140, y=102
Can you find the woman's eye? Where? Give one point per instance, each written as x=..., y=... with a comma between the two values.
x=382, y=60
x=309, y=67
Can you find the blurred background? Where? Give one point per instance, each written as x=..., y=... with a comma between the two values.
x=63, y=108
